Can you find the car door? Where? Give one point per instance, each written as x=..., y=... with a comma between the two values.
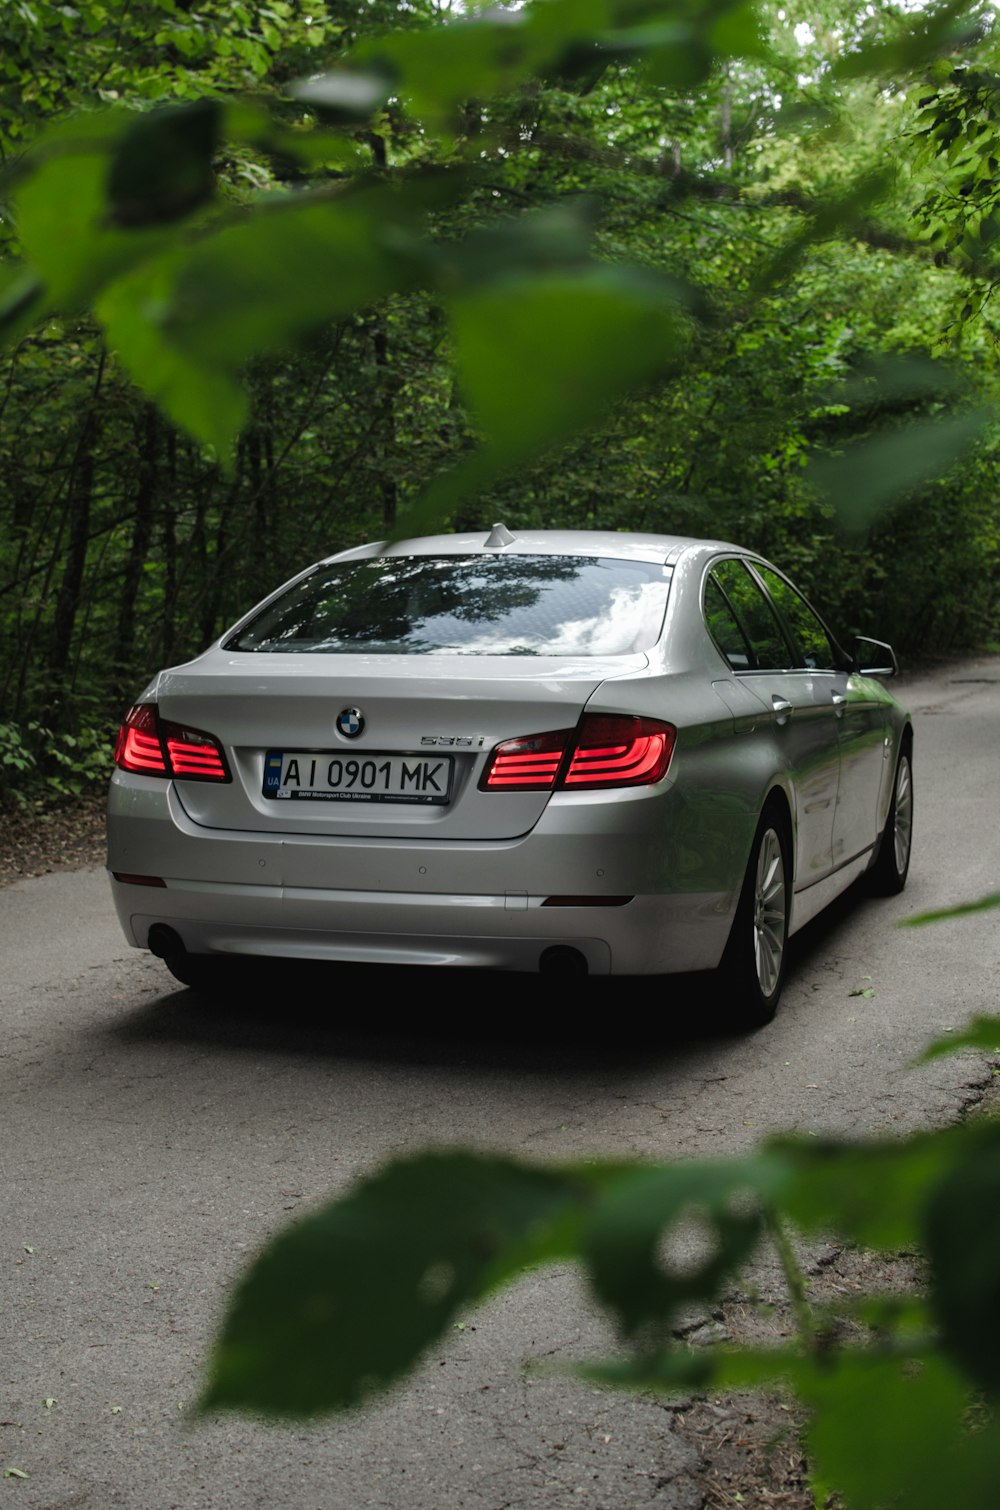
x=801, y=715
x=859, y=712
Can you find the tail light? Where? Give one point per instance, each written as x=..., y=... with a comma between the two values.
x=530, y=764
x=149, y=745
x=604, y=750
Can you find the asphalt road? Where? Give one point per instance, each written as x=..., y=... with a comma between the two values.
x=148, y=1145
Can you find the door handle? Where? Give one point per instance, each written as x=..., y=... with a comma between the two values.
x=782, y=709
x=839, y=703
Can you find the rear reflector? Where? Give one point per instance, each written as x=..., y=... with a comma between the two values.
x=586, y=901
x=131, y=880
x=605, y=750
x=148, y=745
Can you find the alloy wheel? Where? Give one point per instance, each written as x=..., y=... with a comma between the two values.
x=902, y=827
x=769, y=913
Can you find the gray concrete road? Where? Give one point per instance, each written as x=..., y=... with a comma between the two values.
x=148, y=1145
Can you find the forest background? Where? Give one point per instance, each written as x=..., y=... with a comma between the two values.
x=811, y=191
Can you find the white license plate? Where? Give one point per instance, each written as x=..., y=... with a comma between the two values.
x=319, y=776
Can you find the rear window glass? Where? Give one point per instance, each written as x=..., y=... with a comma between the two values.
x=466, y=605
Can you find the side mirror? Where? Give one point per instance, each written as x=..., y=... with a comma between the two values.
x=873, y=658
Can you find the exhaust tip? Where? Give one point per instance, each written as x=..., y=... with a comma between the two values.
x=561, y=959
x=164, y=942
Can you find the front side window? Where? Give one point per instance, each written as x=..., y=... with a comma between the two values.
x=815, y=649
x=750, y=611
x=465, y=605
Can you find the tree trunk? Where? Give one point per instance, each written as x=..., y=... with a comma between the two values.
x=168, y=526
x=142, y=534
x=80, y=494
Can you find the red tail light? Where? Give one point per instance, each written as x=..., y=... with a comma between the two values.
x=615, y=751
x=605, y=750
x=138, y=747
x=530, y=764
x=148, y=745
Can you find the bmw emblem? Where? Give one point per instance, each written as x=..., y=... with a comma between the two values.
x=350, y=722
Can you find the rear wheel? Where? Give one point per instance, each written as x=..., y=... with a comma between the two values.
x=753, y=967
x=887, y=876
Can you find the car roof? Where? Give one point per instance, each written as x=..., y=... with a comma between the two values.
x=499, y=540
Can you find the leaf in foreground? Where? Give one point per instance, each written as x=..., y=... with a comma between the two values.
x=887, y=1431
x=960, y=910
x=963, y=1239
x=345, y=1301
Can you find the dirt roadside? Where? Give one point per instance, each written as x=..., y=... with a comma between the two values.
x=37, y=839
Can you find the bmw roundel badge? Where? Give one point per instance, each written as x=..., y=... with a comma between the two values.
x=351, y=722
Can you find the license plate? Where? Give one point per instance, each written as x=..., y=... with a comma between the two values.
x=319, y=776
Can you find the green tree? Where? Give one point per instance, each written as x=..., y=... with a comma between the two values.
x=340, y=288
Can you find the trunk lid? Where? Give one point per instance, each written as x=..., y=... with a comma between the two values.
x=438, y=711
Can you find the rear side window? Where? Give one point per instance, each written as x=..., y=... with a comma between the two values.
x=465, y=605
x=725, y=627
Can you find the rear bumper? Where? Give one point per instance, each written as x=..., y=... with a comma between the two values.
x=649, y=935
x=404, y=902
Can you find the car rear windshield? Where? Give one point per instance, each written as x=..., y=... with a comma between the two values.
x=465, y=605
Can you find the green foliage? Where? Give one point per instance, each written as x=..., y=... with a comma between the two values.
x=17, y=763
x=38, y=762
x=351, y=1298
x=960, y=910
x=470, y=1223
x=560, y=264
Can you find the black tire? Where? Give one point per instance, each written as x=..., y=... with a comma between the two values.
x=752, y=971
x=888, y=873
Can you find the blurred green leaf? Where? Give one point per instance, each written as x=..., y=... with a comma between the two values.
x=539, y=357
x=187, y=323
x=678, y=1369
x=342, y=1303
x=436, y=70
x=161, y=169
x=21, y=298
x=982, y=1033
x=963, y=1241
x=65, y=231
x=960, y=910
x=256, y=127
x=886, y=1431
x=623, y=1243
x=829, y=217
x=872, y=1193
x=875, y=473
x=266, y=282
x=201, y=394
x=928, y=32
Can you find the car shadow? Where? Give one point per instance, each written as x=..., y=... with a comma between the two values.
x=818, y=934
x=435, y=1016
x=440, y=1016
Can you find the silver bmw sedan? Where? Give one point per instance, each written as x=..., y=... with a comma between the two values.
x=546, y=751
